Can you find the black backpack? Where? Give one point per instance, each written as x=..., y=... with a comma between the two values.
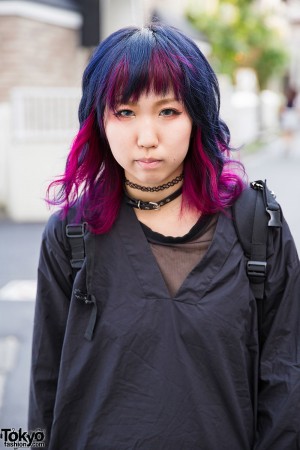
x=254, y=213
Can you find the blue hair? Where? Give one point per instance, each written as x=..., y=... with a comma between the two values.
x=128, y=63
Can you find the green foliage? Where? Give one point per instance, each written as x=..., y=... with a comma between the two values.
x=240, y=36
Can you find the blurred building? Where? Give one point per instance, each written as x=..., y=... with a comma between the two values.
x=285, y=15
x=292, y=12
x=39, y=44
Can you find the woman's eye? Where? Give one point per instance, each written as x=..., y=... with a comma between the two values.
x=124, y=113
x=169, y=112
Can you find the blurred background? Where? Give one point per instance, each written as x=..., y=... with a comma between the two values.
x=44, y=47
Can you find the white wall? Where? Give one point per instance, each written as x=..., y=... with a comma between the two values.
x=4, y=151
x=36, y=131
x=116, y=14
x=32, y=167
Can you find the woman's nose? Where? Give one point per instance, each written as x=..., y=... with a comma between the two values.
x=147, y=137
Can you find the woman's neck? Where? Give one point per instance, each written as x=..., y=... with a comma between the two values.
x=169, y=219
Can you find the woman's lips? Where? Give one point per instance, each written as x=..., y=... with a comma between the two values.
x=148, y=163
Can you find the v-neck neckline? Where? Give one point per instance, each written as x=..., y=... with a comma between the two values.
x=146, y=268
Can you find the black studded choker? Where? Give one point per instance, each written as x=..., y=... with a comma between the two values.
x=140, y=204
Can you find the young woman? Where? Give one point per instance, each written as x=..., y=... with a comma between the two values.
x=154, y=343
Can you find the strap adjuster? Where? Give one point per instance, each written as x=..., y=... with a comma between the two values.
x=75, y=233
x=75, y=230
x=76, y=263
x=257, y=269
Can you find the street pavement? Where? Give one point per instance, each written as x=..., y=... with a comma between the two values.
x=20, y=243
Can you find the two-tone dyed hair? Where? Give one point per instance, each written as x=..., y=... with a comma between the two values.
x=128, y=63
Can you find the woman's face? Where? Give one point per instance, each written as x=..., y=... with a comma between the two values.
x=149, y=138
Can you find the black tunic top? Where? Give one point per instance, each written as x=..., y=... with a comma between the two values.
x=119, y=364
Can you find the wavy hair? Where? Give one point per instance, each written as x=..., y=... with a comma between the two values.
x=130, y=62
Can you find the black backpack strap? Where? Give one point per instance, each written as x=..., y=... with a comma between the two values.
x=75, y=234
x=255, y=211
x=250, y=219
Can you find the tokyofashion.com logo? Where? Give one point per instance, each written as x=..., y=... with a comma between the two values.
x=21, y=439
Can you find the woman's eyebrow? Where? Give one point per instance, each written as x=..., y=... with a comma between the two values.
x=166, y=100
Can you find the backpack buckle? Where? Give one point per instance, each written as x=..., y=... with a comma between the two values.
x=257, y=269
x=75, y=230
x=275, y=220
